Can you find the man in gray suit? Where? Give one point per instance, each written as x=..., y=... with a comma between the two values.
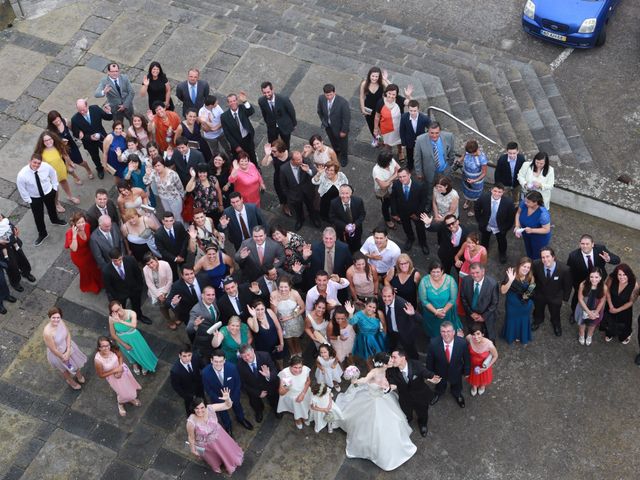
x=119, y=92
x=203, y=315
x=335, y=116
x=479, y=296
x=104, y=239
x=256, y=252
x=433, y=154
x=192, y=92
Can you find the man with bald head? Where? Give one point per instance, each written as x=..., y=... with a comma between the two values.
x=104, y=239
x=86, y=125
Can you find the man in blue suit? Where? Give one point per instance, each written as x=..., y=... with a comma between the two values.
x=221, y=375
x=412, y=124
x=239, y=219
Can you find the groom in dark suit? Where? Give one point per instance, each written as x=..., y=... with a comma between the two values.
x=259, y=379
x=414, y=394
x=553, y=286
x=335, y=117
x=448, y=357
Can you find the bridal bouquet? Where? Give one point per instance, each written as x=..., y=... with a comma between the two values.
x=351, y=373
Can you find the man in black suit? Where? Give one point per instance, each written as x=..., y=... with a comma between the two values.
x=335, y=117
x=495, y=214
x=553, y=286
x=102, y=206
x=239, y=219
x=451, y=236
x=86, y=125
x=235, y=300
x=412, y=124
x=186, y=292
x=479, y=296
x=582, y=260
x=409, y=198
x=186, y=376
x=409, y=377
x=400, y=318
x=329, y=254
x=184, y=159
x=507, y=169
x=192, y=91
x=448, y=356
x=123, y=281
x=347, y=214
x=172, y=241
x=295, y=178
x=259, y=379
x=237, y=126
x=278, y=113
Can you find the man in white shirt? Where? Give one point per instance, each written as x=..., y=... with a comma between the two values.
x=381, y=252
x=212, y=130
x=326, y=286
x=37, y=184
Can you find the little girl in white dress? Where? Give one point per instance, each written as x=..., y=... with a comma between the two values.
x=324, y=411
x=328, y=369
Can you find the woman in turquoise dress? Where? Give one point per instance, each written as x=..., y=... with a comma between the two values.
x=371, y=337
x=474, y=169
x=231, y=337
x=518, y=287
x=437, y=295
x=113, y=146
x=122, y=327
x=533, y=224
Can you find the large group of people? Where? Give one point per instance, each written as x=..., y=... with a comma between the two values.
x=188, y=228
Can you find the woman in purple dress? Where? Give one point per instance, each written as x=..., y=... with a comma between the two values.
x=62, y=353
x=208, y=440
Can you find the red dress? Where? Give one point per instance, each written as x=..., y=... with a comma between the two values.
x=90, y=274
x=485, y=378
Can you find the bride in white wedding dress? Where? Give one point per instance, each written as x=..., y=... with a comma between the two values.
x=377, y=430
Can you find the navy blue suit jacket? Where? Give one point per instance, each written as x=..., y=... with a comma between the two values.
x=212, y=386
x=407, y=135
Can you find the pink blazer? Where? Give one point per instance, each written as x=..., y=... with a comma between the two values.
x=165, y=280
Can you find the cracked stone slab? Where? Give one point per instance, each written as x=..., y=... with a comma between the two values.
x=25, y=67
x=79, y=82
x=59, y=25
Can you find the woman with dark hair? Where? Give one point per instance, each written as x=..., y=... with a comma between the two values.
x=157, y=86
x=77, y=241
x=293, y=245
x=385, y=172
x=247, y=179
x=56, y=123
x=114, y=144
x=277, y=153
x=321, y=153
x=158, y=278
x=537, y=175
x=592, y=297
x=329, y=179
x=437, y=295
x=62, y=352
x=208, y=440
x=445, y=199
x=289, y=306
x=518, y=287
x=202, y=233
x=206, y=191
x=483, y=355
x=388, y=110
x=53, y=151
x=163, y=123
x=169, y=187
x=363, y=280
x=371, y=90
x=221, y=169
x=316, y=322
x=217, y=265
x=134, y=173
x=295, y=394
x=190, y=129
x=533, y=224
x=139, y=129
x=621, y=294
x=131, y=197
x=371, y=331
x=267, y=332
x=341, y=334
x=474, y=170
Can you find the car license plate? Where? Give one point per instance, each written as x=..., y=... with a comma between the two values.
x=555, y=36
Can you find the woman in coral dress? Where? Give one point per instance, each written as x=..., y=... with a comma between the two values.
x=483, y=355
x=247, y=179
x=77, y=241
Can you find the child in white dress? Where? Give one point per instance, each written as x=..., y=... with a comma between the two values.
x=323, y=410
x=328, y=369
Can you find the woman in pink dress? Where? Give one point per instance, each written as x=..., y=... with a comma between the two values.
x=247, y=179
x=208, y=440
x=109, y=365
x=483, y=355
x=470, y=252
x=62, y=353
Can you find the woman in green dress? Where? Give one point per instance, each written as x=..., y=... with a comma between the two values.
x=231, y=337
x=122, y=326
x=437, y=294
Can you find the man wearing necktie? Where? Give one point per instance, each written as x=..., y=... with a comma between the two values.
x=479, y=296
x=495, y=214
x=408, y=202
x=172, y=241
x=237, y=126
x=553, y=286
x=86, y=124
x=248, y=256
x=259, y=378
x=295, y=179
x=278, y=114
x=347, y=214
x=103, y=239
x=186, y=378
x=103, y=206
x=192, y=91
x=335, y=117
x=118, y=91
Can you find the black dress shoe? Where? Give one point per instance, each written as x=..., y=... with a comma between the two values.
x=30, y=278
x=279, y=415
x=460, y=401
x=535, y=326
x=60, y=222
x=297, y=226
x=246, y=424
x=4, y=311
x=435, y=399
x=425, y=249
x=259, y=417
x=100, y=174
x=17, y=287
x=11, y=299
x=146, y=320
x=557, y=331
x=40, y=239
x=408, y=245
x=424, y=430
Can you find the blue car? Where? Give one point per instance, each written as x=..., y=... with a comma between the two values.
x=570, y=23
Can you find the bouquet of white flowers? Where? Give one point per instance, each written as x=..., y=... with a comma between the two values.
x=351, y=373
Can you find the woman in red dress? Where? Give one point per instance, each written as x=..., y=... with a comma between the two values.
x=77, y=241
x=483, y=355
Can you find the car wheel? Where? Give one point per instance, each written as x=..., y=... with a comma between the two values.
x=602, y=37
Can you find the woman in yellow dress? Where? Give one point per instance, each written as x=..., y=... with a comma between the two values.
x=55, y=153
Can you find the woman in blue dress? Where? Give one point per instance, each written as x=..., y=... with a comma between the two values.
x=217, y=266
x=518, y=287
x=114, y=144
x=474, y=169
x=533, y=224
x=370, y=338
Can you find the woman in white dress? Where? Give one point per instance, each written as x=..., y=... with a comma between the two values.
x=295, y=393
x=377, y=430
x=288, y=305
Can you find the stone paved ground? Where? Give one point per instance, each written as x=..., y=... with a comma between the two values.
x=555, y=409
